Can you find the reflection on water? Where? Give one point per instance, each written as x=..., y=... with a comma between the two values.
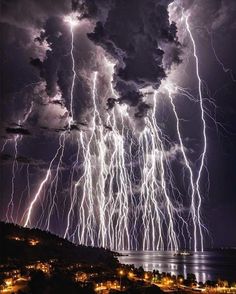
x=206, y=265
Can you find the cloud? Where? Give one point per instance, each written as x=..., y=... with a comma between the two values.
x=211, y=15
x=173, y=152
x=18, y=130
x=132, y=34
x=225, y=15
x=136, y=35
x=28, y=13
x=25, y=50
x=6, y=158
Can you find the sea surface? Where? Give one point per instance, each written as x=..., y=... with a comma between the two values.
x=208, y=265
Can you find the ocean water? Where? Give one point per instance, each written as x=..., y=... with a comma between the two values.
x=208, y=265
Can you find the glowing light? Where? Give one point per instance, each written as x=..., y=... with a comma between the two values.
x=33, y=242
x=131, y=275
x=41, y=186
x=72, y=19
x=105, y=221
x=122, y=193
x=203, y=155
x=10, y=207
x=17, y=139
x=8, y=282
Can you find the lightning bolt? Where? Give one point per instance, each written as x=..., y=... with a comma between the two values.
x=74, y=73
x=122, y=192
x=29, y=210
x=10, y=207
x=225, y=69
x=188, y=165
x=154, y=191
x=203, y=155
x=17, y=139
x=96, y=210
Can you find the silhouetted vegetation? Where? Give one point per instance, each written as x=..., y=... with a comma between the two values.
x=37, y=262
x=57, y=283
x=15, y=245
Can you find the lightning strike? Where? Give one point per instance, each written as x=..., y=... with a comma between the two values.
x=17, y=139
x=225, y=69
x=122, y=192
x=29, y=210
x=73, y=21
x=203, y=155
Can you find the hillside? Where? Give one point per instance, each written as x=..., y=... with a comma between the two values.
x=23, y=245
x=37, y=262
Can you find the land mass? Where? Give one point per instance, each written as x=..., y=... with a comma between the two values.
x=38, y=262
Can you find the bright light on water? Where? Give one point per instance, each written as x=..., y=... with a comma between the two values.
x=208, y=265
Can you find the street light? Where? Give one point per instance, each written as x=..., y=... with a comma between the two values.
x=121, y=273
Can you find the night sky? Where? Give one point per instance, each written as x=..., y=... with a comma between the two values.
x=137, y=46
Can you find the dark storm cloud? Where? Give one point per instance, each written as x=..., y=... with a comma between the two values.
x=24, y=50
x=27, y=13
x=58, y=102
x=111, y=103
x=131, y=97
x=213, y=15
x=56, y=68
x=93, y=9
x=6, y=158
x=133, y=34
x=142, y=109
x=19, y=131
x=37, y=63
x=54, y=34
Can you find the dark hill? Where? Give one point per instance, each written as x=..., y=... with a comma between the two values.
x=23, y=245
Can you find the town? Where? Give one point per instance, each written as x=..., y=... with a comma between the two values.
x=95, y=279
x=33, y=261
